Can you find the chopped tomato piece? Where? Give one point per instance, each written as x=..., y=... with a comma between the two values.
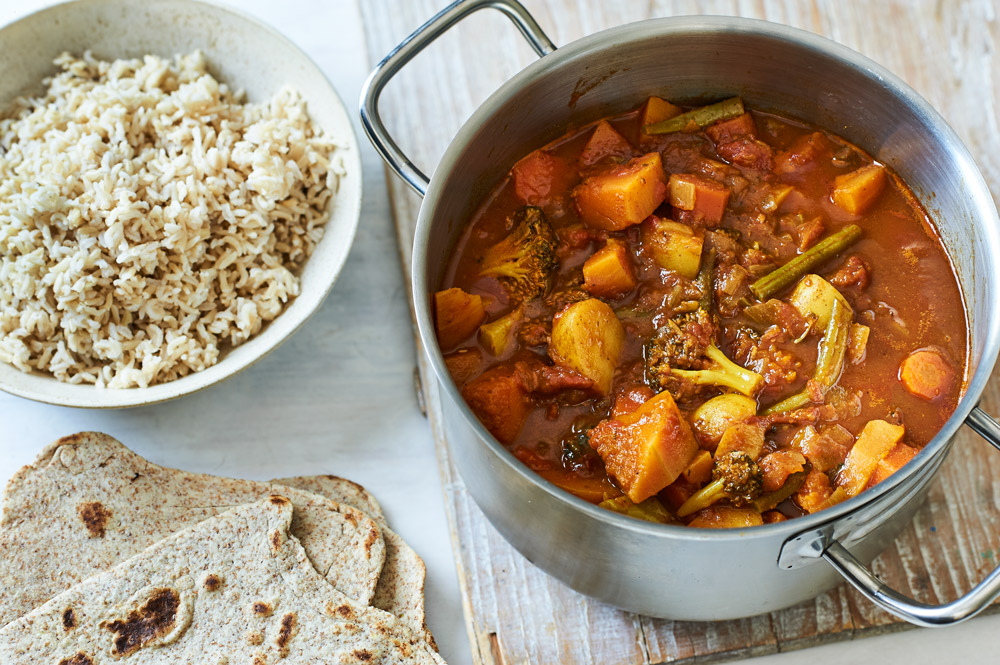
x=457, y=314
x=647, y=449
x=740, y=127
x=540, y=177
x=592, y=489
x=855, y=192
x=532, y=460
x=777, y=466
x=825, y=451
x=630, y=398
x=814, y=491
x=604, y=142
x=623, y=195
x=608, y=273
x=499, y=401
x=927, y=374
x=750, y=153
x=802, y=154
x=706, y=198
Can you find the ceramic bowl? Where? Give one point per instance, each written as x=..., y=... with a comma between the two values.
x=242, y=52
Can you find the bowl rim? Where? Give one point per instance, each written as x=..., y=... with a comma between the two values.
x=296, y=311
x=797, y=38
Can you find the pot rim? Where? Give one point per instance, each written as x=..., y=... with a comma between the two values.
x=590, y=45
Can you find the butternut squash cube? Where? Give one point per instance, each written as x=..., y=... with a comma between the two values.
x=622, y=195
x=855, y=192
x=604, y=142
x=457, y=315
x=674, y=246
x=657, y=110
x=499, y=401
x=706, y=198
x=588, y=337
x=608, y=273
x=874, y=443
x=647, y=449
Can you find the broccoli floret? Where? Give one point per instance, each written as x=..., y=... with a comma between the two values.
x=525, y=260
x=683, y=350
x=735, y=476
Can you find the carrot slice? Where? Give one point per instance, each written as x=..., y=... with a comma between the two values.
x=927, y=374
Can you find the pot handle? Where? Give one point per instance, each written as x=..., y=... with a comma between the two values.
x=922, y=614
x=410, y=47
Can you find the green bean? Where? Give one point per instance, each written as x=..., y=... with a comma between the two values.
x=830, y=362
x=702, y=117
x=788, y=274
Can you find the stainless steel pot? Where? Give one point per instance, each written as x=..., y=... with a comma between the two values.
x=662, y=570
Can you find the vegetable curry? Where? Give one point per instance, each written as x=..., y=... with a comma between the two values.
x=715, y=317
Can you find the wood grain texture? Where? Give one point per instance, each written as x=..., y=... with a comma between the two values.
x=516, y=613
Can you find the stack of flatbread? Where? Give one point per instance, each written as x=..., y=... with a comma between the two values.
x=108, y=558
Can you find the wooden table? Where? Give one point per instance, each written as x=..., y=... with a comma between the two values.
x=339, y=396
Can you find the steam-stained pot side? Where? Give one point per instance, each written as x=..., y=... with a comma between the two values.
x=715, y=316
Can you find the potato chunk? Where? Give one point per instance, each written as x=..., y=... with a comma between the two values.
x=855, y=192
x=814, y=295
x=647, y=449
x=623, y=195
x=588, y=337
x=674, y=246
x=457, y=315
x=876, y=440
x=608, y=273
x=711, y=420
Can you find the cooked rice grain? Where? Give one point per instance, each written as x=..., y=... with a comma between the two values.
x=149, y=218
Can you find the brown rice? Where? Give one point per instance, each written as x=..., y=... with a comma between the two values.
x=149, y=218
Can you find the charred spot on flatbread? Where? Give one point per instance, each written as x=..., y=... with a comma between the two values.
x=212, y=582
x=154, y=619
x=79, y=658
x=68, y=619
x=261, y=609
x=95, y=517
x=362, y=655
x=285, y=633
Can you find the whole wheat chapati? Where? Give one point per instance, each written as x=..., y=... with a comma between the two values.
x=233, y=589
x=400, y=588
x=88, y=503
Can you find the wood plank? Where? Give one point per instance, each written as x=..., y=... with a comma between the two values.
x=517, y=614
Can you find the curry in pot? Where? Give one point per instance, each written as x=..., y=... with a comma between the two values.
x=715, y=317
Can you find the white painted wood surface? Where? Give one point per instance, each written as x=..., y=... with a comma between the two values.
x=339, y=398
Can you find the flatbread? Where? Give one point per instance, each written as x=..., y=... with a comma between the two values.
x=88, y=503
x=234, y=589
x=400, y=589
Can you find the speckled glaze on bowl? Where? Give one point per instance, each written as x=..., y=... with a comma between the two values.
x=244, y=53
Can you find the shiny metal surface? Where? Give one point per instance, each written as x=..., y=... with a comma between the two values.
x=414, y=44
x=662, y=570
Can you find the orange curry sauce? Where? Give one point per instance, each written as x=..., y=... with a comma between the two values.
x=780, y=176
